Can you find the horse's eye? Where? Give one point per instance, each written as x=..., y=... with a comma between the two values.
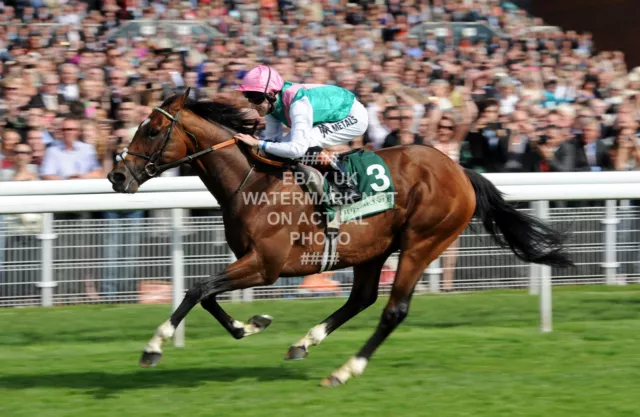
x=153, y=132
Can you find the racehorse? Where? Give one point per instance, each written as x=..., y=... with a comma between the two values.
x=435, y=200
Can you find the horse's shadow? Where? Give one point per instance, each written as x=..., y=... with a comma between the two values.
x=103, y=385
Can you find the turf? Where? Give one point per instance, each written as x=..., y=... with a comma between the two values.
x=455, y=355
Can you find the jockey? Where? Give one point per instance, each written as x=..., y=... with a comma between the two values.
x=319, y=116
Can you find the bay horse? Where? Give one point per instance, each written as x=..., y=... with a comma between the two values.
x=435, y=200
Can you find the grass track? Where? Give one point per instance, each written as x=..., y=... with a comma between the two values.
x=455, y=355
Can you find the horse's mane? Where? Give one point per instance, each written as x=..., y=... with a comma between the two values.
x=228, y=110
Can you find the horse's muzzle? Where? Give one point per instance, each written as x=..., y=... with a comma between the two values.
x=122, y=182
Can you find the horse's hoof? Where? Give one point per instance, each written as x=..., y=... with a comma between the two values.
x=296, y=353
x=261, y=321
x=331, y=381
x=150, y=359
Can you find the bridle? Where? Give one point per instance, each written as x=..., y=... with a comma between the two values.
x=153, y=169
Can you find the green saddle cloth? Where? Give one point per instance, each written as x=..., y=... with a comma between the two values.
x=374, y=182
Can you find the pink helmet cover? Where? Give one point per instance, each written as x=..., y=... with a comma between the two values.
x=257, y=78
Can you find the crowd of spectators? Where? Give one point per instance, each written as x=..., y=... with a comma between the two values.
x=540, y=101
x=543, y=101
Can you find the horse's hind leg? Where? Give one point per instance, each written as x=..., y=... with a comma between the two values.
x=364, y=293
x=244, y=273
x=415, y=256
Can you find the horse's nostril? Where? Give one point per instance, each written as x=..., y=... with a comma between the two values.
x=117, y=177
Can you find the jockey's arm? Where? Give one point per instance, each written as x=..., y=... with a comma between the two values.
x=301, y=114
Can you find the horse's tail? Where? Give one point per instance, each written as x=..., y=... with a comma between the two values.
x=529, y=238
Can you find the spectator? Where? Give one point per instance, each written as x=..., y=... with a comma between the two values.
x=507, y=96
x=441, y=91
x=92, y=135
x=36, y=121
x=400, y=119
x=625, y=150
x=481, y=90
x=12, y=104
x=37, y=145
x=23, y=169
x=69, y=82
x=10, y=139
x=48, y=98
x=588, y=90
x=128, y=120
x=520, y=154
x=488, y=141
x=191, y=81
x=70, y=158
x=584, y=152
x=551, y=99
x=531, y=89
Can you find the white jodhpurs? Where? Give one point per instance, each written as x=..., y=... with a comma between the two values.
x=331, y=134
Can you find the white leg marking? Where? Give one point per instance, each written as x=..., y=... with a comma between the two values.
x=314, y=337
x=354, y=367
x=164, y=332
x=249, y=328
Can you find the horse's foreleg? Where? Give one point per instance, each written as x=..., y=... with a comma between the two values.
x=363, y=294
x=236, y=328
x=244, y=273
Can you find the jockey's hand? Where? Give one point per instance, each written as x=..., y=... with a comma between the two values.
x=248, y=139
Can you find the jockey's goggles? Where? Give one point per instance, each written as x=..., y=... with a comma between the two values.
x=255, y=97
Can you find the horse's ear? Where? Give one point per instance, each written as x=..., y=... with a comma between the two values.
x=185, y=96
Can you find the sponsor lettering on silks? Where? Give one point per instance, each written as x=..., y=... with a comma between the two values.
x=326, y=128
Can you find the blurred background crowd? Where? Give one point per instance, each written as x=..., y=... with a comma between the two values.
x=74, y=89
x=77, y=78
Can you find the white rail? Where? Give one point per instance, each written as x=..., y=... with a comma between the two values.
x=102, y=186
x=184, y=184
x=189, y=192
x=109, y=201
